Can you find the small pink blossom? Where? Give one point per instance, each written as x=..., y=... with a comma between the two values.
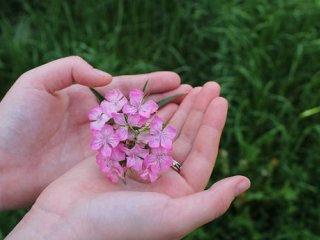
x=135, y=157
x=104, y=140
x=128, y=119
x=111, y=168
x=98, y=118
x=136, y=105
x=119, y=118
x=114, y=102
x=118, y=153
x=160, y=159
x=143, y=137
x=126, y=137
x=160, y=136
x=120, y=126
x=122, y=133
x=149, y=173
x=136, y=120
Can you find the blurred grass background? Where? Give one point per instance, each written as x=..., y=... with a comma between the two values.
x=265, y=54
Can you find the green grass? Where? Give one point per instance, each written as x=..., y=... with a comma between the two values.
x=265, y=54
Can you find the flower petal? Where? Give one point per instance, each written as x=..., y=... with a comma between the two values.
x=133, y=119
x=106, y=150
x=143, y=137
x=119, y=118
x=118, y=153
x=166, y=162
x=136, y=97
x=114, y=171
x=123, y=101
x=100, y=122
x=156, y=125
x=122, y=133
x=142, y=121
x=107, y=130
x=101, y=161
x=109, y=107
x=154, y=141
x=97, y=140
x=129, y=109
x=95, y=113
x=170, y=132
x=166, y=142
x=148, y=108
x=113, y=140
x=114, y=95
x=134, y=162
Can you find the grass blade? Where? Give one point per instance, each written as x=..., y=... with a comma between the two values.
x=309, y=112
x=168, y=99
x=98, y=95
x=145, y=86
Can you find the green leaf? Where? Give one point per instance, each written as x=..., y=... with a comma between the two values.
x=309, y=112
x=98, y=95
x=168, y=99
x=145, y=86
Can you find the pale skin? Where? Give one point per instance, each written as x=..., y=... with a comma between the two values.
x=41, y=142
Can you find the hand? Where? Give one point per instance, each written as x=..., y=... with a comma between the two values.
x=44, y=123
x=83, y=204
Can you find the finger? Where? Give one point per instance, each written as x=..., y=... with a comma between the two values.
x=188, y=213
x=182, y=112
x=182, y=89
x=157, y=82
x=61, y=73
x=191, y=126
x=198, y=166
x=167, y=111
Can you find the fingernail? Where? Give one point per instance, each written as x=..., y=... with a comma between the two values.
x=102, y=73
x=242, y=186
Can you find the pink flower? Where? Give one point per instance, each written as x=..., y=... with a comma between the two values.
x=104, y=140
x=111, y=168
x=133, y=120
x=136, y=105
x=160, y=159
x=128, y=119
x=127, y=137
x=143, y=137
x=148, y=173
x=120, y=126
x=119, y=119
x=160, y=136
x=136, y=120
x=98, y=118
x=135, y=157
x=114, y=102
x=118, y=153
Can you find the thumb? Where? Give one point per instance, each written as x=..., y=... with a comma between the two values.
x=188, y=213
x=63, y=72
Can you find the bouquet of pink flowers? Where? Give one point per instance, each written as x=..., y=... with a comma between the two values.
x=129, y=136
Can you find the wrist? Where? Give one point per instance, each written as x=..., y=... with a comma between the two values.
x=39, y=224
x=14, y=193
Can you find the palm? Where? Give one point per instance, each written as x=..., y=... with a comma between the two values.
x=84, y=184
x=64, y=129
x=41, y=128
x=51, y=130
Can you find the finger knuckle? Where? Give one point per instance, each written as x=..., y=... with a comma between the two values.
x=76, y=59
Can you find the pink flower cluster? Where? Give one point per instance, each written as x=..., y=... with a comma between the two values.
x=128, y=136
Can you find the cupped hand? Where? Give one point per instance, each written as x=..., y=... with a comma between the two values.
x=83, y=204
x=44, y=124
